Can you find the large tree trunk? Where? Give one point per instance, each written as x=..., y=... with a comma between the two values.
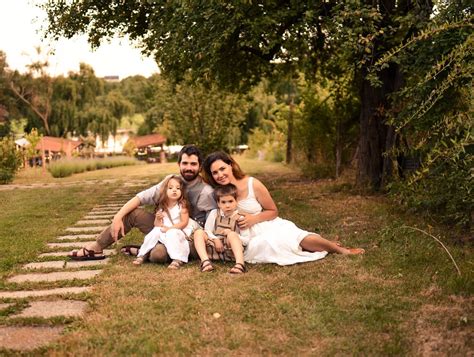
x=376, y=137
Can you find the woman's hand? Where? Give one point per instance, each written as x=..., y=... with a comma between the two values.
x=246, y=220
x=164, y=229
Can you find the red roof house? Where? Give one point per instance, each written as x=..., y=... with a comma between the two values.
x=55, y=146
x=148, y=140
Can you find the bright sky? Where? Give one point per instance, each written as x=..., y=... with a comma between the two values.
x=20, y=22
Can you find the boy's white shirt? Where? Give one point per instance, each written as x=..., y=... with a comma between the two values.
x=210, y=224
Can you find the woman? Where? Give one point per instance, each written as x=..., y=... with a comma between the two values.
x=272, y=239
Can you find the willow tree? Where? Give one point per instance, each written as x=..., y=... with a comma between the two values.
x=236, y=43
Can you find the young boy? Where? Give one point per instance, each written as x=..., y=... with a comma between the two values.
x=221, y=231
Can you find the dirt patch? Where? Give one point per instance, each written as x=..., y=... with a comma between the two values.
x=444, y=330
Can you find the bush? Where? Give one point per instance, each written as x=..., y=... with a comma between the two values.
x=10, y=160
x=269, y=146
x=64, y=168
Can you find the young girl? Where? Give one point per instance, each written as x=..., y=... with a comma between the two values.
x=172, y=224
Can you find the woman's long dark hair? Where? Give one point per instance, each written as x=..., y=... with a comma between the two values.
x=220, y=155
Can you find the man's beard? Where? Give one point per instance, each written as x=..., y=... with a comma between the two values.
x=189, y=175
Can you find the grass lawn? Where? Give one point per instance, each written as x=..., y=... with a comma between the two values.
x=403, y=297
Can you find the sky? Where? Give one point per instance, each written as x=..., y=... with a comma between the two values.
x=20, y=25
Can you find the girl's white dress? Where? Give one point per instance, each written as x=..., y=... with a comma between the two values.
x=275, y=241
x=174, y=239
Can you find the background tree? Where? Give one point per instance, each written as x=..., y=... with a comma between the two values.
x=35, y=89
x=236, y=43
x=201, y=115
x=432, y=116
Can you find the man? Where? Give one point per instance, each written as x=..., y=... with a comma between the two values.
x=130, y=216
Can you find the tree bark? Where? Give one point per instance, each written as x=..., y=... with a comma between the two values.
x=376, y=136
x=289, y=138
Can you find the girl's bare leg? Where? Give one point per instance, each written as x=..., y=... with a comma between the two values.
x=236, y=246
x=316, y=243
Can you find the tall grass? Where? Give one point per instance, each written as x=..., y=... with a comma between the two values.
x=68, y=167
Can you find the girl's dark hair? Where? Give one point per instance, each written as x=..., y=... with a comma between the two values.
x=216, y=156
x=162, y=201
x=227, y=190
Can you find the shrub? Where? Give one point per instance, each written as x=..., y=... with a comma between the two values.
x=64, y=168
x=10, y=160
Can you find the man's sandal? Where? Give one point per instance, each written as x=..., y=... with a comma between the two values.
x=175, y=264
x=206, y=266
x=238, y=269
x=127, y=249
x=87, y=254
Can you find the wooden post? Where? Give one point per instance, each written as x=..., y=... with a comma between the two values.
x=43, y=156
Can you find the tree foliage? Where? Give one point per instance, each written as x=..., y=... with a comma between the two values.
x=237, y=43
x=433, y=114
x=201, y=115
x=10, y=160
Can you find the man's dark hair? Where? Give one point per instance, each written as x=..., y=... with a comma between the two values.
x=227, y=190
x=190, y=150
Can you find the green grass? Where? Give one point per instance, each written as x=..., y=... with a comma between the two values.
x=403, y=297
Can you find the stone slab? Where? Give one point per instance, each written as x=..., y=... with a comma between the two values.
x=63, y=254
x=86, y=263
x=100, y=216
x=105, y=209
x=27, y=338
x=5, y=305
x=69, y=244
x=47, y=309
x=86, y=229
x=92, y=222
x=56, y=276
x=77, y=236
x=56, y=264
x=35, y=293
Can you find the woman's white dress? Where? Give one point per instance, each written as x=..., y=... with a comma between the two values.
x=275, y=241
x=174, y=239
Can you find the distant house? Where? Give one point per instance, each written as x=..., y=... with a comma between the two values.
x=150, y=147
x=113, y=144
x=55, y=148
x=112, y=78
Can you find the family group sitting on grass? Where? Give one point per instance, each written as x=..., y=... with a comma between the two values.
x=244, y=227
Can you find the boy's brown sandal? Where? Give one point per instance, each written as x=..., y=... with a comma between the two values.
x=238, y=269
x=206, y=266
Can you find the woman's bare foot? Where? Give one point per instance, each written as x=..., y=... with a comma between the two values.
x=138, y=261
x=353, y=251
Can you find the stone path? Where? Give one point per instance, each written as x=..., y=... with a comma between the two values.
x=22, y=337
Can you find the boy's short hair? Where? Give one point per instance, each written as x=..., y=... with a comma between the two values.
x=227, y=190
